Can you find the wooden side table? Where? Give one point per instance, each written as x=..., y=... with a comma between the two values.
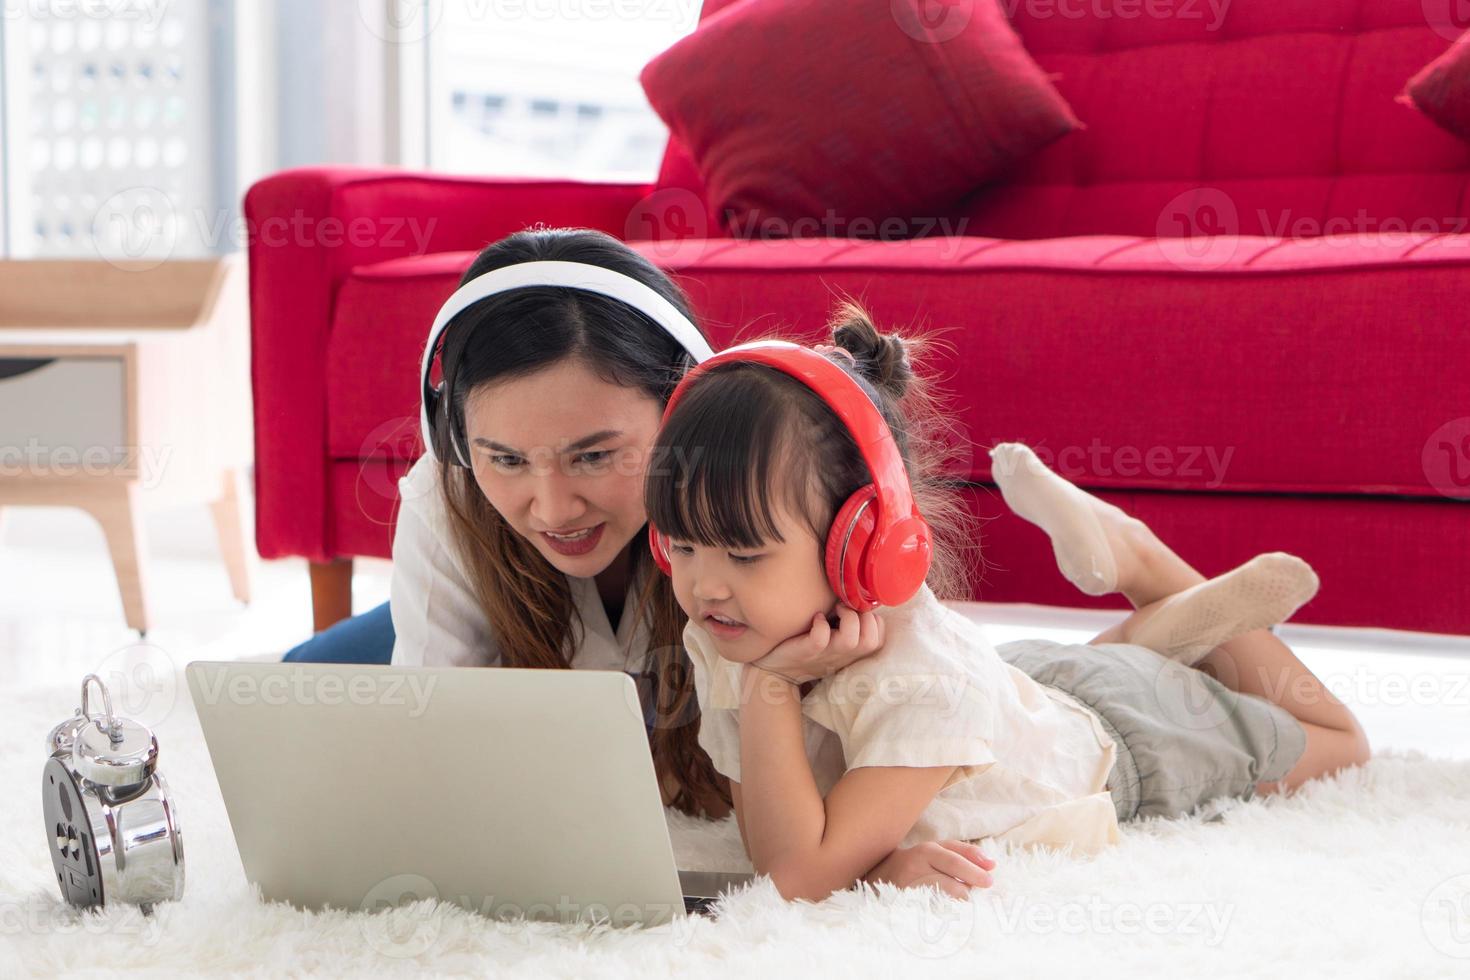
x=124, y=388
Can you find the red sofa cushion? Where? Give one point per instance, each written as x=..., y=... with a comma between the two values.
x=828, y=117
x=1265, y=395
x=1442, y=90
x=1313, y=366
x=1259, y=395
x=677, y=170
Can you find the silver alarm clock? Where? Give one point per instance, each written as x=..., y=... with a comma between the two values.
x=112, y=829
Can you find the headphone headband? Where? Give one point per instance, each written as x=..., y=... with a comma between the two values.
x=574, y=275
x=844, y=396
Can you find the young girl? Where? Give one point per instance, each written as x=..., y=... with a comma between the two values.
x=940, y=735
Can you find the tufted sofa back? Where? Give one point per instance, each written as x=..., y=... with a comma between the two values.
x=1255, y=117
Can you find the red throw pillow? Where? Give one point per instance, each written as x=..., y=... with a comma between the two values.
x=1442, y=90
x=826, y=117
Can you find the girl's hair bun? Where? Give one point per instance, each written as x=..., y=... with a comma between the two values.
x=883, y=359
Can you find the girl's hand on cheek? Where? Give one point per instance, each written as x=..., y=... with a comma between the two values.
x=824, y=650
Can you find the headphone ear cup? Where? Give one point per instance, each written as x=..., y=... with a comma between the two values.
x=440, y=427
x=898, y=562
x=847, y=544
x=458, y=445
x=660, y=553
x=431, y=420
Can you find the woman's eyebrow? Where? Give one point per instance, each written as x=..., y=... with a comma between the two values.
x=581, y=443
x=594, y=439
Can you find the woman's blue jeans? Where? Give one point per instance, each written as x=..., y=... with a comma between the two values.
x=363, y=639
x=367, y=638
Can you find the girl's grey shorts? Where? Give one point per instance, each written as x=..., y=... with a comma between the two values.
x=1183, y=737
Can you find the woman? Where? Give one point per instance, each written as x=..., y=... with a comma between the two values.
x=526, y=509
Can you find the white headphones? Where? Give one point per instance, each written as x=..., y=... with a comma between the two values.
x=576, y=275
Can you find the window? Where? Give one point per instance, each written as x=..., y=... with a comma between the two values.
x=130, y=128
x=107, y=143
x=547, y=88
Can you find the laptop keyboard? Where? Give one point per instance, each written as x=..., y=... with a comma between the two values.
x=697, y=906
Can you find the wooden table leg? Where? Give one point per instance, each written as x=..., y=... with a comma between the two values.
x=234, y=548
x=331, y=592
x=117, y=509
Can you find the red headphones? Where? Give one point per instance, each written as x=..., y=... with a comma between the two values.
x=879, y=547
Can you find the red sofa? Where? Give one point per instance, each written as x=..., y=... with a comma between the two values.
x=1234, y=305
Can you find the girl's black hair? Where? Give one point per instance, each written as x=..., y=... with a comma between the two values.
x=747, y=440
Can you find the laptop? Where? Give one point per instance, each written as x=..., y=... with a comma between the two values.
x=511, y=792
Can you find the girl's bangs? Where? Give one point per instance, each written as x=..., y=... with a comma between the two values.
x=711, y=478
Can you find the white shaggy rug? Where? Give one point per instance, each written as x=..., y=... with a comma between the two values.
x=1364, y=875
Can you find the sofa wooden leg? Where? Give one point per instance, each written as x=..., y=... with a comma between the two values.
x=234, y=544
x=331, y=592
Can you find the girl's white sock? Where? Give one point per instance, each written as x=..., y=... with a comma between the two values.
x=1264, y=591
x=1063, y=511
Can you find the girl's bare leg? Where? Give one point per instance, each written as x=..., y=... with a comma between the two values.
x=1259, y=663
x=1187, y=625
x=1149, y=572
x=1255, y=663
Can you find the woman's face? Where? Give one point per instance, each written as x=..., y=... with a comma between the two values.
x=561, y=455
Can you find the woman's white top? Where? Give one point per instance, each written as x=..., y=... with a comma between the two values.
x=436, y=618
x=1032, y=763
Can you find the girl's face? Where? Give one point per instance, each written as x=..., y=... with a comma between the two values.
x=770, y=593
x=561, y=455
